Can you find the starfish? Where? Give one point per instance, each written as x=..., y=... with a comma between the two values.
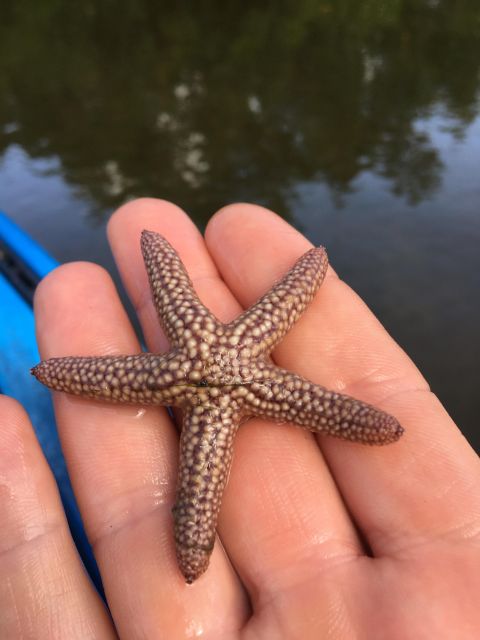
x=219, y=375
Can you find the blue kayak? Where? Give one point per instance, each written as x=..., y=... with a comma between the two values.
x=23, y=263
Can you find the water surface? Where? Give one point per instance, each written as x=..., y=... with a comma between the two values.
x=357, y=122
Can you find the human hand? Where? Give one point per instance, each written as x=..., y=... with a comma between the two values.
x=322, y=538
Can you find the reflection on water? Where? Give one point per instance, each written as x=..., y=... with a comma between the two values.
x=351, y=119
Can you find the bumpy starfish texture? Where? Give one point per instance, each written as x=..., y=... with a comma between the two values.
x=219, y=375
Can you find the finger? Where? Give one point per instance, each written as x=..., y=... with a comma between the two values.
x=122, y=465
x=265, y=508
x=44, y=590
x=424, y=483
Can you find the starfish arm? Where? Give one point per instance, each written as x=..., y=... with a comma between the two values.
x=286, y=397
x=206, y=447
x=179, y=309
x=262, y=326
x=137, y=379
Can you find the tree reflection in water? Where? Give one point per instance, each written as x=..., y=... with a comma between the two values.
x=236, y=102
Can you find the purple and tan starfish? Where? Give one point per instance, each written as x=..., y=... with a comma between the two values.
x=219, y=375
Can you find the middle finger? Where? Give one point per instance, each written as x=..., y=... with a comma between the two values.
x=282, y=484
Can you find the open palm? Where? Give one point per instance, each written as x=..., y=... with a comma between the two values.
x=319, y=538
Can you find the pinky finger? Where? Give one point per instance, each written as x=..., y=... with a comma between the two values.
x=44, y=589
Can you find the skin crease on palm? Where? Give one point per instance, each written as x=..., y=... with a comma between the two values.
x=318, y=538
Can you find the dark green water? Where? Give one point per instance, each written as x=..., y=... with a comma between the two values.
x=359, y=122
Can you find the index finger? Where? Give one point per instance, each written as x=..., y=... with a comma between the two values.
x=424, y=482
